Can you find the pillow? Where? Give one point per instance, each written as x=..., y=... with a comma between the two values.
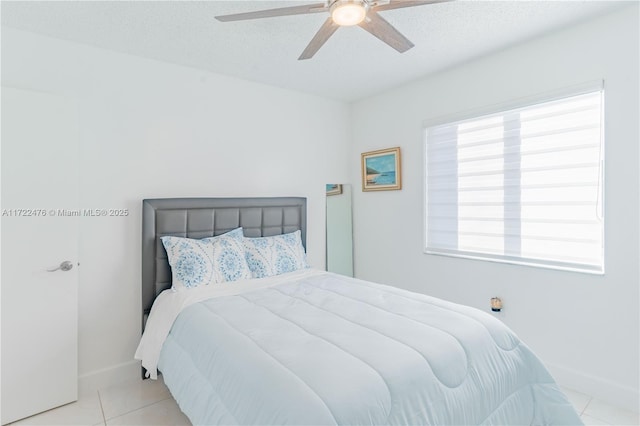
x=268, y=256
x=209, y=260
x=229, y=262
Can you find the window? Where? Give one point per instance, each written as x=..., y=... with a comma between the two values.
x=522, y=185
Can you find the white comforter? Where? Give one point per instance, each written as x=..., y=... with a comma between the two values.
x=312, y=347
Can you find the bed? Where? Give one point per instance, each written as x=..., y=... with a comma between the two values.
x=310, y=347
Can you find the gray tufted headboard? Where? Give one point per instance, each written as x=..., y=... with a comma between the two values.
x=206, y=217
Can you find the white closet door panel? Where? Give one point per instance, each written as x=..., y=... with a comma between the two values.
x=39, y=308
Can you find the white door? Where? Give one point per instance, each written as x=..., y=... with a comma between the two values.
x=39, y=231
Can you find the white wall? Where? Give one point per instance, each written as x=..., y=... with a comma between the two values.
x=150, y=129
x=584, y=327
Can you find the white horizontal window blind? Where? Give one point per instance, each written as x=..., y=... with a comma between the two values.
x=521, y=186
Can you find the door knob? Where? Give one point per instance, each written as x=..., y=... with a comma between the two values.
x=64, y=266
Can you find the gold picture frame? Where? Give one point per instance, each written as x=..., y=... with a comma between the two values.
x=381, y=170
x=334, y=189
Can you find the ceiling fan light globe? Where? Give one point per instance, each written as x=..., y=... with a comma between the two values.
x=348, y=14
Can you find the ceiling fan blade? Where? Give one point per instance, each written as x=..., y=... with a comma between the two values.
x=386, y=32
x=326, y=30
x=283, y=11
x=398, y=4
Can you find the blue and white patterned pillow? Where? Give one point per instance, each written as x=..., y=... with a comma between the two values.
x=229, y=262
x=268, y=256
x=207, y=261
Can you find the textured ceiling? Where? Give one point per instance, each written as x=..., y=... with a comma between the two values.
x=351, y=65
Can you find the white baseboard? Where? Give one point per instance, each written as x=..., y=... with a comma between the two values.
x=110, y=376
x=599, y=388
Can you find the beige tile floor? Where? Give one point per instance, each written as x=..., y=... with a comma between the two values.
x=149, y=402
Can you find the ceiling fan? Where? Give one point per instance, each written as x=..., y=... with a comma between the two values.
x=363, y=13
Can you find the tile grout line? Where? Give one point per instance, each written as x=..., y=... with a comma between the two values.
x=104, y=418
x=586, y=405
x=135, y=409
x=598, y=417
x=592, y=416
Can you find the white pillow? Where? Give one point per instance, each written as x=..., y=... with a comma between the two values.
x=207, y=261
x=275, y=255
